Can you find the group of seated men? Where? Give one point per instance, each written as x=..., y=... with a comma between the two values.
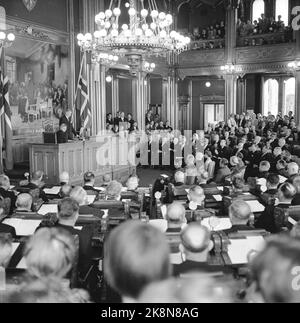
x=139, y=257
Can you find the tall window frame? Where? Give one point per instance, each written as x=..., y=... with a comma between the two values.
x=257, y=9
x=270, y=97
x=282, y=8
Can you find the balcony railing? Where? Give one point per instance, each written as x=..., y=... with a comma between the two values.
x=207, y=44
x=265, y=39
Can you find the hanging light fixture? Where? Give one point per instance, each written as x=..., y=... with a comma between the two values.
x=149, y=33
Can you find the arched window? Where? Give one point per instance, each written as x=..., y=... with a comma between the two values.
x=271, y=97
x=282, y=9
x=258, y=8
x=289, y=96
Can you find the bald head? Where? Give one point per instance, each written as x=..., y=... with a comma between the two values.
x=239, y=212
x=175, y=214
x=24, y=202
x=195, y=242
x=196, y=194
x=4, y=182
x=293, y=169
x=179, y=177
x=64, y=178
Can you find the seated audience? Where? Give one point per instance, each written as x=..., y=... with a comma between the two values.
x=50, y=255
x=195, y=247
x=266, y=221
x=132, y=183
x=65, y=191
x=274, y=272
x=6, y=193
x=136, y=255
x=106, y=180
x=264, y=168
x=24, y=203
x=79, y=195
x=114, y=190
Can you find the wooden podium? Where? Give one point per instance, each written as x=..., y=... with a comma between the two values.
x=78, y=157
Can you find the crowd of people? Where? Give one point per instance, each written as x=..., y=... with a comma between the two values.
x=216, y=31
x=121, y=123
x=270, y=29
x=247, y=153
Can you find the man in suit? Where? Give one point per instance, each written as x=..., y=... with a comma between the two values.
x=296, y=183
x=266, y=221
x=68, y=213
x=64, y=178
x=223, y=172
x=196, y=196
x=224, y=150
x=80, y=196
x=65, y=118
x=195, y=246
x=62, y=135
x=24, y=203
x=271, y=194
x=5, y=250
x=179, y=179
x=239, y=214
x=6, y=193
x=89, y=182
x=4, y=228
x=293, y=171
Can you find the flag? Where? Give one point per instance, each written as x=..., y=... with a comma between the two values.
x=85, y=109
x=6, y=152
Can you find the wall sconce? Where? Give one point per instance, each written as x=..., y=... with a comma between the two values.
x=294, y=66
x=6, y=40
x=228, y=68
x=149, y=67
x=108, y=79
x=208, y=84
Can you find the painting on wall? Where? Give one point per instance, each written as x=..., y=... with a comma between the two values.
x=38, y=76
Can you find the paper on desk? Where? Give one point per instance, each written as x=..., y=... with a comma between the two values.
x=105, y=214
x=220, y=188
x=187, y=190
x=224, y=224
x=23, y=228
x=47, y=208
x=164, y=176
x=255, y=206
x=124, y=189
x=164, y=211
x=78, y=228
x=11, y=187
x=52, y=191
x=160, y=224
x=238, y=250
x=90, y=199
x=22, y=264
x=282, y=179
x=218, y=198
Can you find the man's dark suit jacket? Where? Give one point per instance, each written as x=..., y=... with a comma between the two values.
x=222, y=174
x=296, y=200
x=62, y=137
x=237, y=228
x=88, y=210
x=43, y=195
x=70, y=129
x=85, y=246
x=4, y=228
x=267, y=220
x=193, y=266
x=11, y=196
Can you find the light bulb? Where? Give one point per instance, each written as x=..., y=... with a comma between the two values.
x=109, y=79
x=108, y=13
x=97, y=34
x=145, y=27
x=114, y=33
x=208, y=84
x=163, y=34
x=132, y=12
x=101, y=15
x=153, y=26
x=116, y=58
x=169, y=18
x=2, y=35
x=111, y=57
x=152, y=65
x=107, y=25
x=149, y=33
x=162, y=16
x=88, y=37
x=154, y=14
x=127, y=5
x=127, y=33
x=173, y=34
x=147, y=65
x=103, y=33
x=80, y=37
x=117, y=12
x=125, y=27
x=139, y=32
x=144, y=13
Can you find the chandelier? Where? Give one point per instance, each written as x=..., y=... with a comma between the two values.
x=147, y=33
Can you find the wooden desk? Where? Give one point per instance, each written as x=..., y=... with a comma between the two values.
x=78, y=157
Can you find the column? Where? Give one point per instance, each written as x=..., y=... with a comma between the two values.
x=102, y=100
x=115, y=94
x=297, y=105
x=230, y=53
x=230, y=94
x=140, y=98
x=241, y=95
